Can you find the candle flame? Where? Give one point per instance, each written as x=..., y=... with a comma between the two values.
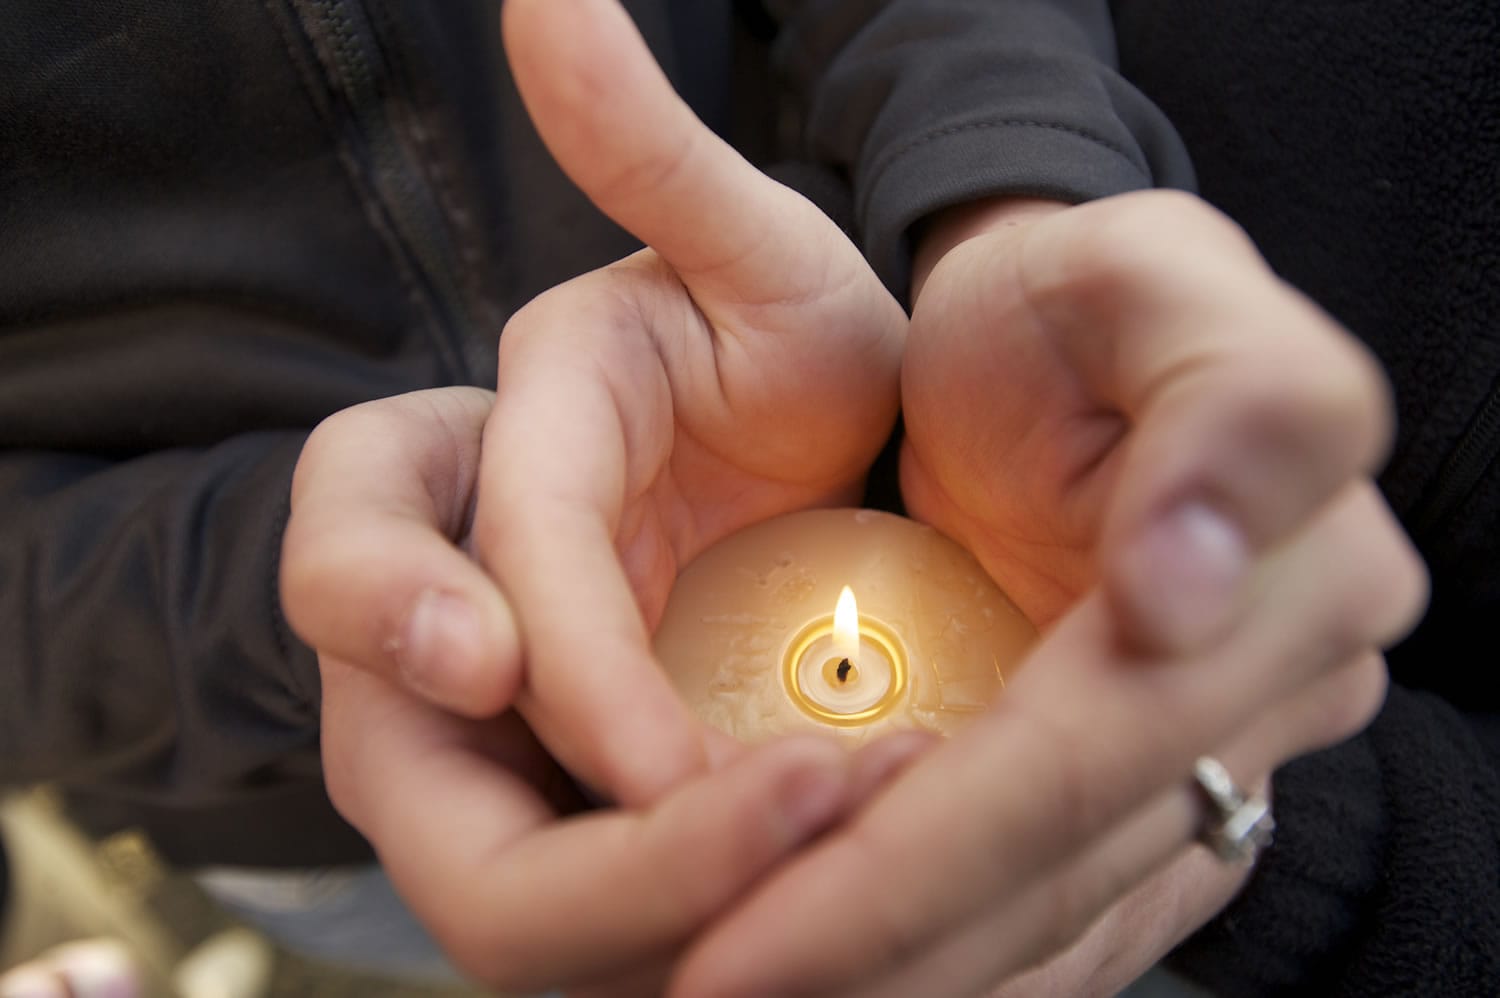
x=846, y=626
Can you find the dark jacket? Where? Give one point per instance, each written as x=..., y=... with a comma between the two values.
x=220, y=223
x=1359, y=144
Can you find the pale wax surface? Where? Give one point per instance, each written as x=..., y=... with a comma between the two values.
x=736, y=609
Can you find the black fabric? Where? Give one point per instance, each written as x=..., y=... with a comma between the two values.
x=1359, y=145
x=929, y=103
x=1381, y=881
x=4, y=883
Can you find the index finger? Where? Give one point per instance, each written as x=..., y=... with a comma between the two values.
x=560, y=465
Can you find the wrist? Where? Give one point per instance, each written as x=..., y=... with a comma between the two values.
x=960, y=223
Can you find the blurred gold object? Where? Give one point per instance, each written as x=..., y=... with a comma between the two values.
x=58, y=894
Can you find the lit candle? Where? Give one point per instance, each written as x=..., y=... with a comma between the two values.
x=846, y=621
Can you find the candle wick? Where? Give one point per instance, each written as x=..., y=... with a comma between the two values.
x=843, y=671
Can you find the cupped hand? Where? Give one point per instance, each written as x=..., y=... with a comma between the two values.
x=1123, y=392
x=482, y=832
x=744, y=365
x=1162, y=453
x=995, y=856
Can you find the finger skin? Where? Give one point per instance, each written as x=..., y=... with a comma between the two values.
x=1152, y=361
x=583, y=70
x=788, y=303
x=871, y=767
x=523, y=902
x=380, y=498
x=559, y=465
x=1105, y=916
x=1242, y=395
x=1078, y=741
x=653, y=407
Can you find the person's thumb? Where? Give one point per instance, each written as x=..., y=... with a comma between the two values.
x=613, y=122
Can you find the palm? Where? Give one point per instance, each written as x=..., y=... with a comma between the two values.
x=1124, y=389
x=1007, y=448
x=746, y=364
x=730, y=414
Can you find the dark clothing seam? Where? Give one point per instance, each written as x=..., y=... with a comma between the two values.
x=432, y=146
x=877, y=169
x=373, y=209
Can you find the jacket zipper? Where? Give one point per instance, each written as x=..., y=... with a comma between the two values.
x=352, y=58
x=1468, y=462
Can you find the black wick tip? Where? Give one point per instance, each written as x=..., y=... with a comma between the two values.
x=843, y=672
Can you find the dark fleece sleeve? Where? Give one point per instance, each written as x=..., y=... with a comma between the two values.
x=142, y=622
x=148, y=667
x=198, y=263
x=1385, y=875
x=930, y=103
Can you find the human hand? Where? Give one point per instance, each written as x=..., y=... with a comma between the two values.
x=1236, y=375
x=1136, y=932
x=1096, y=393
x=1001, y=850
x=479, y=829
x=1064, y=390
x=744, y=366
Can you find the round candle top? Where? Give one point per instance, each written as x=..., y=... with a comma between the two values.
x=849, y=621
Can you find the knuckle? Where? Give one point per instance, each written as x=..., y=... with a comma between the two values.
x=305, y=589
x=1338, y=709
x=1360, y=697
x=1375, y=583
x=1393, y=587
x=609, y=298
x=1326, y=412
x=1126, y=240
x=1345, y=402
x=320, y=443
x=1408, y=591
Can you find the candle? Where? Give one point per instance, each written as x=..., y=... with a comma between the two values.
x=852, y=622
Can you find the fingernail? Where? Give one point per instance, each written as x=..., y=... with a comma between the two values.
x=442, y=645
x=811, y=801
x=1184, y=575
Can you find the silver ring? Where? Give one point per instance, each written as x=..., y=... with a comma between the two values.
x=1237, y=827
